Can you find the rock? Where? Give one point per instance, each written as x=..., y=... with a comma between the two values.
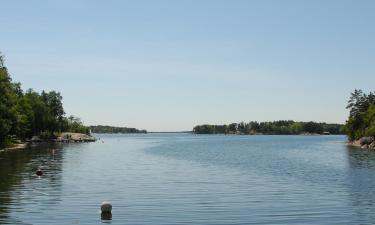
x=364, y=146
x=106, y=207
x=76, y=137
x=366, y=140
x=35, y=139
x=372, y=145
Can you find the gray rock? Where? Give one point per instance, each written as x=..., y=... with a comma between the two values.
x=35, y=139
x=366, y=140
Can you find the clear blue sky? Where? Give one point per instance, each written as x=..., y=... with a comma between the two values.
x=169, y=65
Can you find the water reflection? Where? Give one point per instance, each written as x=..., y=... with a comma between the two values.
x=361, y=158
x=19, y=183
x=361, y=183
x=106, y=217
x=185, y=180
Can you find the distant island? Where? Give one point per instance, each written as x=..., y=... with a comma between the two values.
x=281, y=127
x=359, y=128
x=114, y=130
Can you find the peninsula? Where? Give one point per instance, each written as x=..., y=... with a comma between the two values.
x=30, y=116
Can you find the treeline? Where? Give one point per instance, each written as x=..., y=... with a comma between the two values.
x=114, y=130
x=24, y=114
x=361, y=121
x=276, y=127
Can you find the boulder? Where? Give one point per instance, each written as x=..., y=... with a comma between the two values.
x=35, y=139
x=366, y=140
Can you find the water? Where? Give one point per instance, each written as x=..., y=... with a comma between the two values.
x=189, y=179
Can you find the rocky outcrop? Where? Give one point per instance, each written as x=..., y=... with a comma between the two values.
x=365, y=143
x=366, y=140
x=74, y=137
x=65, y=137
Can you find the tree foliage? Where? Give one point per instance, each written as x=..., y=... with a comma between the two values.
x=275, y=127
x=361, y=121
x=25, y=114
x=113, y=130
x=8, y=99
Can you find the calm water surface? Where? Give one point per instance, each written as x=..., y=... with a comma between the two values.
x=189, y=179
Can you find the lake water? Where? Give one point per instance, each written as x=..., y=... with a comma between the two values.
x=190, y=179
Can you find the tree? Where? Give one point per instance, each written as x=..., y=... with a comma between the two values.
x=23, y=115
x=8, y=112
x=361, y=115
x=369, y=120
x=276, y=127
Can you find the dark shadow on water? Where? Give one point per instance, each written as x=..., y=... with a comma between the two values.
x=361, y=183
x=106, y=217
x=361, y=158
x=17, y=170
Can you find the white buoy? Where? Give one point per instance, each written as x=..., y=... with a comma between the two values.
x=106, y=207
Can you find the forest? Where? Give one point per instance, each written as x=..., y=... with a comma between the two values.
x=24, y=114
x=114, y=130
x=281, y=127
x=361, y=121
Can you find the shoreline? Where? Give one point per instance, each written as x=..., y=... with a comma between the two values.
x=361, y=143
x=22, y=145
x=66, y=137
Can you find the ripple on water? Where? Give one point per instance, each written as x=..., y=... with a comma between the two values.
x=187, y=179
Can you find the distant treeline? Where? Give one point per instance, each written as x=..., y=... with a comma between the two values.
x=275, y=127
x=24, y=114
x=361, y=120
x=114, y=130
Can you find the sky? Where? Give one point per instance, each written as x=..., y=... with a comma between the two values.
x=170, y=65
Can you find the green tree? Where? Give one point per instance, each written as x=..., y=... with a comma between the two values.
x=369, y=120
x=360, y=121
x=8, y=112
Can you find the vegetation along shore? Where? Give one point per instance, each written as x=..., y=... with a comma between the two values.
x=32, y=116
x=114, y=130
x=360, y=126
x=283, y=127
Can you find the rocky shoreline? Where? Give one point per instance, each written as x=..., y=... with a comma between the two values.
x=364, y=143
x=16, y=146
x=67, y=137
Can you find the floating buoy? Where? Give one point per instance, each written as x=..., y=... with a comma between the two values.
x=106, y=207
x=39, y=172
